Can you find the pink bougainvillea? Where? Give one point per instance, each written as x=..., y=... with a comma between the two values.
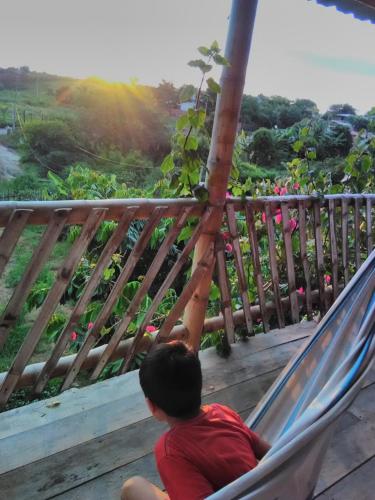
x=296, y=186
x=278, y=218
x=150, y=328
x=229, y=248
x=301, y=290
x=283, y=191
x=327, y=279
x=226, y=235
x=293, y=224
x=90, y=325
x=73, y=336
x=228, y=195
x=276, y=190
x=264, y=217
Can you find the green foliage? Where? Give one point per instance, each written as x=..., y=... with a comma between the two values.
x=50, y=143
x=183, y=166
x=262, y=147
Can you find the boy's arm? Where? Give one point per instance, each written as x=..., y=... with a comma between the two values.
x=182, y=480
x=260, y=446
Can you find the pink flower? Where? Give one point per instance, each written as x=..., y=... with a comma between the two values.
x=264, y=217
x=327, y=279
x=293, y=224
x=228, y=195
x=278, y=218
x=150, y=328
x=276, y=189
x=228, y=248
x=73, y=336
x=301, y=291
x=258, y=320
x=296, y=186
x=283, y=191
x=226, y=235
x=90, y=325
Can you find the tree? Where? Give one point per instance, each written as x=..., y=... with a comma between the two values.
x=167, y=95
x=337, y=109
x=262, y=147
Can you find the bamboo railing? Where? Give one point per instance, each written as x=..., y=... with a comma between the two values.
x=274, y=272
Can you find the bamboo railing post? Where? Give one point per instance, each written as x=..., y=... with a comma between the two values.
x=223, y=279
x=319, y=256
x=238, y=260
x=333, y=246
x=303, y=252
x=345, y=244
x=219, y=164
x=273, y=267
x=291, y=276
x=254, y=248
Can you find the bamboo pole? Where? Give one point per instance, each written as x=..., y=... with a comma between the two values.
x=219, y=164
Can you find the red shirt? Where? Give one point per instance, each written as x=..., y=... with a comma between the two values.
x=200, y=456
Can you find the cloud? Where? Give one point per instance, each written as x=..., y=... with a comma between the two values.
x=340, y=64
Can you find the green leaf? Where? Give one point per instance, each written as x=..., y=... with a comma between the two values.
x=167, y=165
x=196, y=117
x=185, y=234
x=199, y=63
x=366, y=163
x=311, y=155
x=187, y=93
x=213, y=86
x=191, y=143
x=182, y=122
x=304, y=132
x=215, y=46
x=220, y=60
x=297, y=146
x=204, y=51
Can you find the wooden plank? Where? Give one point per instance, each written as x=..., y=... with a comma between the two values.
x=242, y=398
x=63, y=278
x=303, y=251
x=350, y=448
x=273, y=267
x=359, y=484
x=224, y=287
x=14, y=227
x=319, y=256
x=369, y=243
x=39, y=258
x=345, y=240
x=238, y=260
x=142, y=291
x=333, y=247
x=101, y=320
x=96, y=418
x=357, y=231
x=173, y=273
x=254, y=246
x=104, y=260
x=287, y=234
x=203, y=266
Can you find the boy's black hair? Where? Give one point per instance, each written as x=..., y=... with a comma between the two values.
x=171, y=378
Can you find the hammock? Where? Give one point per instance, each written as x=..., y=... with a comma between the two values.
x=298, y=412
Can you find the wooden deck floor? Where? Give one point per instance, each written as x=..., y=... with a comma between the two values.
x=240, y=381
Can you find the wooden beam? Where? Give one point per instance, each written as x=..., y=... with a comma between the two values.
x=219, y=163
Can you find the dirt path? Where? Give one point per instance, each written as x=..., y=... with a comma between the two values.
x=9, y=162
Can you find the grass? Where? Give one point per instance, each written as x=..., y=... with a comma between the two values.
x=14, y=272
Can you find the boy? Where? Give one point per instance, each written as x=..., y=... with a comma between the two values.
x=206, y=447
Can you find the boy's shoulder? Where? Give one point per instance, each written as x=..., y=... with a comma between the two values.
x=211, y=416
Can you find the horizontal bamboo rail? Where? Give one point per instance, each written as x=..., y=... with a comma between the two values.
x=40, y=210
x=275, y=259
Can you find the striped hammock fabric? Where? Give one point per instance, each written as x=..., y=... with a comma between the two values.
x=298, y=413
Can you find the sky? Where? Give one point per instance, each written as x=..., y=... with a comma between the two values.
x=299, y=49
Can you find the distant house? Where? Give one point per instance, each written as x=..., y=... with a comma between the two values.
x=184, y=106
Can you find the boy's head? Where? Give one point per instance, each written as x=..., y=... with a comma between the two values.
x=171, y=378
